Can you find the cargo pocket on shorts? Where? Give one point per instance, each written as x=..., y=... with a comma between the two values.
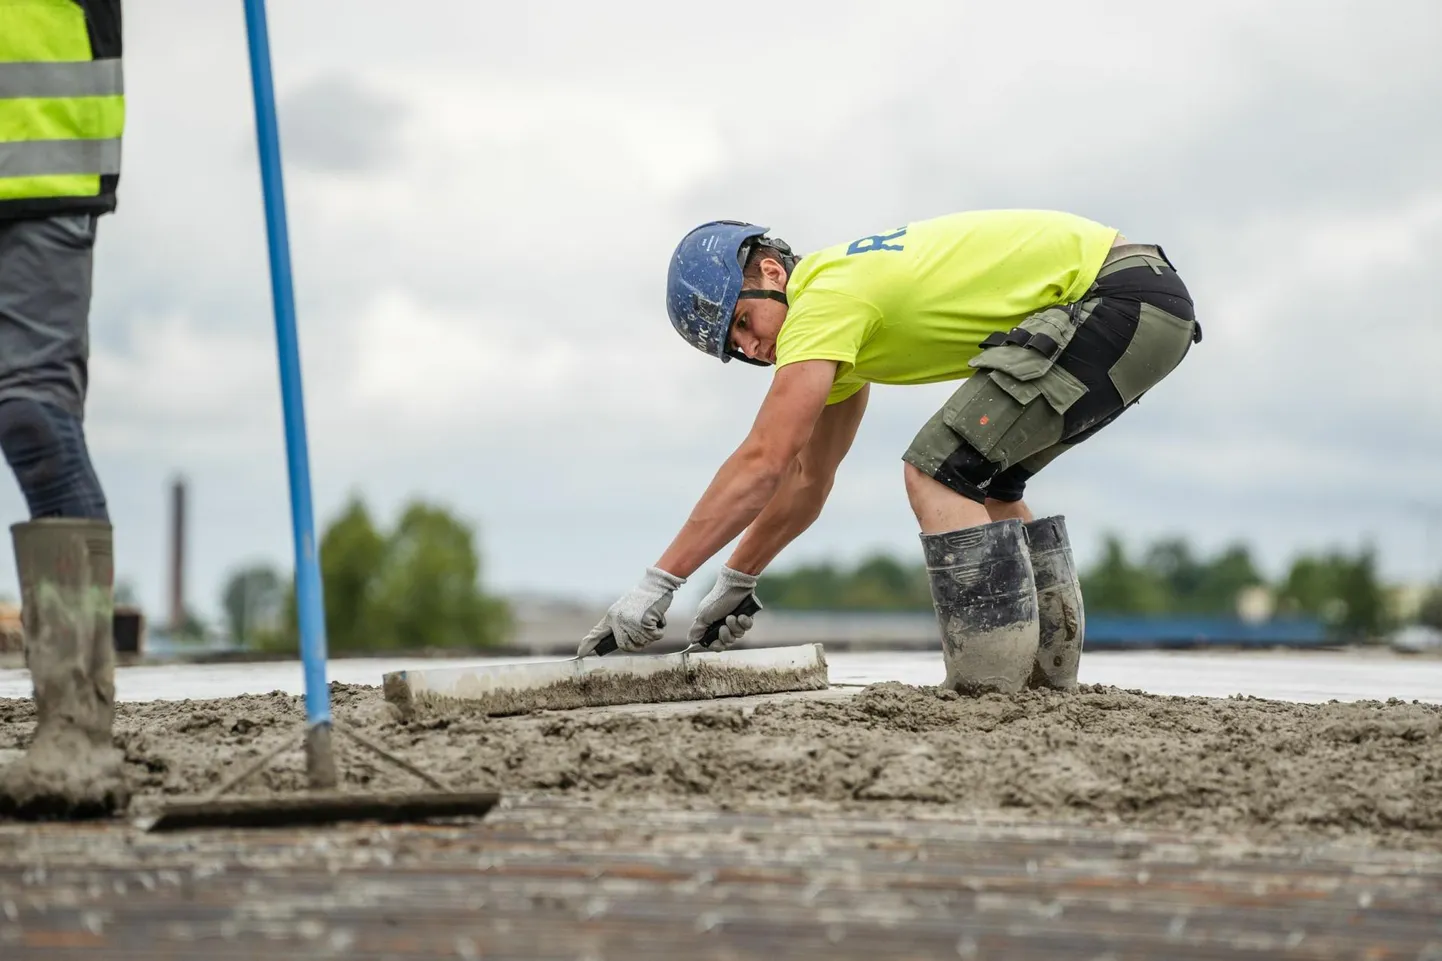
x=1013, y=406
x=1158, y=346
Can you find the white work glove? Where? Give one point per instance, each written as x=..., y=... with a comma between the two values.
x=732, y=587
x=639, y=617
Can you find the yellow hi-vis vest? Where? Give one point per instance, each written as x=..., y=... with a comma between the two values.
x=62, y=106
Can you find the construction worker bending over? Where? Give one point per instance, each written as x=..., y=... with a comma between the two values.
x=62, y=113
x=1053, y=323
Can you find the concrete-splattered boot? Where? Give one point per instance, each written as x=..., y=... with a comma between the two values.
x=72, y=770
x=1059, y=603
x=985, y=597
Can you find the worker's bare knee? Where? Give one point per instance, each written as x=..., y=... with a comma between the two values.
x=922, y=488
x=45, y=448
x=914, y=480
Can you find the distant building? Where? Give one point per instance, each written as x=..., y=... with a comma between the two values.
x=128, y=627
x=1405, y=600
x=12, y=635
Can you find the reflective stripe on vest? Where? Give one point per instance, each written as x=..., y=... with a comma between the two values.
x=36, y=158
x=84, y=78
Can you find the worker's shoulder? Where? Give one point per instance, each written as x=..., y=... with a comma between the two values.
x=976, y=223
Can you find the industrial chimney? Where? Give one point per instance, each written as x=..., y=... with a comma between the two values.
x=177, y=555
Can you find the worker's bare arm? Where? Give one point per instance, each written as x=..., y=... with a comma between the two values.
x=803, y=491
x=750, y=477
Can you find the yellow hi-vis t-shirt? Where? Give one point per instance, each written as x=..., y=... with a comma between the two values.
x=912, y=305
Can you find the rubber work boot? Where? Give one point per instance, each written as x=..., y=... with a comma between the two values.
x=72, y=770
x=1059, y=604
x=985, y=596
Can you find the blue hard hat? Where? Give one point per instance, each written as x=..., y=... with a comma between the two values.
x=704, y=282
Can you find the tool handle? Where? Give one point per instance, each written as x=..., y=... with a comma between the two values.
x=749, y=605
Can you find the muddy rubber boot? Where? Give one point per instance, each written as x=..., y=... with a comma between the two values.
x=985, y=597
x=1059, y=605
x=72, y=770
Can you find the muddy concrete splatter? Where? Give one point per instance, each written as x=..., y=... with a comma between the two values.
x=1100, y=755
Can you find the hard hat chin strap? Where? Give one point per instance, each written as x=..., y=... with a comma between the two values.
x=737, y=355
x=778, y=295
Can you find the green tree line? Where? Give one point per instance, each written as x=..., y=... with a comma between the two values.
x=415, y=586
x=1167, y=577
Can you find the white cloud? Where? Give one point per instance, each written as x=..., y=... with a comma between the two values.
x=181, y=382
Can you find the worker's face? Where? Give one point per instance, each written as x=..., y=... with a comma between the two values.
x=757, y=322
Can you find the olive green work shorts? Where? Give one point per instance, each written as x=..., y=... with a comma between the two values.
x=1059, y=376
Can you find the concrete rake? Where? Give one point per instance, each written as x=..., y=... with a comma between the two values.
x=323, y=804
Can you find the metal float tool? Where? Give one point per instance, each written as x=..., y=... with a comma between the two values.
x=322, y=803
x=610, y=679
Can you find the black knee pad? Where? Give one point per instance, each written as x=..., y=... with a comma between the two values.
x=45, y=448
x=1009, y=485
x=967, y=472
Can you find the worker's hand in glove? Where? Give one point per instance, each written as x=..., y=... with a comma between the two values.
x=639, y=617
x=732, y=587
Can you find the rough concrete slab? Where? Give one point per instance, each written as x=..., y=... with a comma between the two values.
x=1369, y=771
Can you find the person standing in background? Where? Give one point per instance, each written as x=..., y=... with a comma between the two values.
x=62, y=115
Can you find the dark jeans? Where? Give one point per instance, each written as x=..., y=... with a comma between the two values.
x=45, y=279
x=46, y=449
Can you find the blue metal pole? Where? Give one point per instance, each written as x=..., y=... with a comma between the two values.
x=309, y=597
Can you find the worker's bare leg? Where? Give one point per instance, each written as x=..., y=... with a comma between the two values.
x=1006, y=510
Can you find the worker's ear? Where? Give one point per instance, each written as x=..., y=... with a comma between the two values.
x=773, y=271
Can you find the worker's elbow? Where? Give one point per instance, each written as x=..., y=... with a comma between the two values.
x=767, y=465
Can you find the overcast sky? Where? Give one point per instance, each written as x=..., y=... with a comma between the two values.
x=483, y=200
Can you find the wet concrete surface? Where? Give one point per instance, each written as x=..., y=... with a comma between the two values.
x=1366, y=769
